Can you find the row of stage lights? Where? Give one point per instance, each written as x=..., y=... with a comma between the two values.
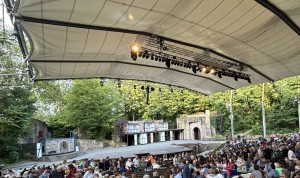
x=169, y=60
x=144, y=87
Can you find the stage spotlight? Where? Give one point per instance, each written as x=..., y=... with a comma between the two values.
x=140, y=54
x=163, y=59
x=147, y=56
x=135, y=48
x=194, y=68
x=181, y=64
x=152, y=88
x=159, y=59
x=220, y=74
x=143, y=55
x=174, y=57
x=152, y=57
x=159, y=89
x=172, y=90
x=235, y=78
x=168, y=64
x=249, y=80
x=213, y=71
x=101, y=83
x=172, y=62
x=143, y=87
x=133, y=55
x=156, y=58
x=203, y=69
x=134, y=86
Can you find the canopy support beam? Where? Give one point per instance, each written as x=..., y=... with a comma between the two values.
x=271, y=7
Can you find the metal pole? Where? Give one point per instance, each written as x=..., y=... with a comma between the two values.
x=263, y=110
x=3, y=19
x=231, y=114
x=298, y=104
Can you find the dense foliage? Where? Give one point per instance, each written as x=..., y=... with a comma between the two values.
x=93, y=108
x=16, y=102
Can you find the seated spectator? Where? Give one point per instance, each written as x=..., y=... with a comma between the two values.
x=286, y=173
x=272, y=173
x=129, y=165
x=256, y=173
x=123, y=175
x=155, y=165
x=278, y=168
x=89, y=173
x=58, y=172
x=77, y=175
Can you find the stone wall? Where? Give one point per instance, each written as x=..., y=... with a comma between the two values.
x=59, y=145
x=200, y=122
x=85, y=145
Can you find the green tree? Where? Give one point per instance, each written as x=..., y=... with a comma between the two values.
x=91, y=109
x=16, y=102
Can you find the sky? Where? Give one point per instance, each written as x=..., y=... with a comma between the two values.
x=6, y=16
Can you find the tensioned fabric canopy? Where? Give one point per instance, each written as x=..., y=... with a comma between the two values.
x=72, y=39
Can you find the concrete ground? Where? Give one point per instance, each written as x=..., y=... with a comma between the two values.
x=130, y=151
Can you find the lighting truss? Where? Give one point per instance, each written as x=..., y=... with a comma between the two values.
x=164, y=51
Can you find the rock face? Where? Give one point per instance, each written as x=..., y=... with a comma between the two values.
x=196, y=127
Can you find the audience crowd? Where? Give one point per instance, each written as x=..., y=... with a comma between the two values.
x=261, y=158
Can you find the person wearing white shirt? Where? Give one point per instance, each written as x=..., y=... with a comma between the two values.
x=217, y=175
x=291, y=154
x=129, y=164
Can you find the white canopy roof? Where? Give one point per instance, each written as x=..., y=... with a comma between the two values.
x=73, y=39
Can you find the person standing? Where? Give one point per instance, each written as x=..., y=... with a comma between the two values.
x=186, y=171
x=106, y=164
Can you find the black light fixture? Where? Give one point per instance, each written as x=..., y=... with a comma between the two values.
x=152, y=56
x=152, y=88
x=236, y=78
x=249, y=80
x=159, y=49
x=168, y=63
x=134, y=86
x=133, y=56
x=101, y=83
x=143, y=87
x=194, y=68
x=219, y=74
